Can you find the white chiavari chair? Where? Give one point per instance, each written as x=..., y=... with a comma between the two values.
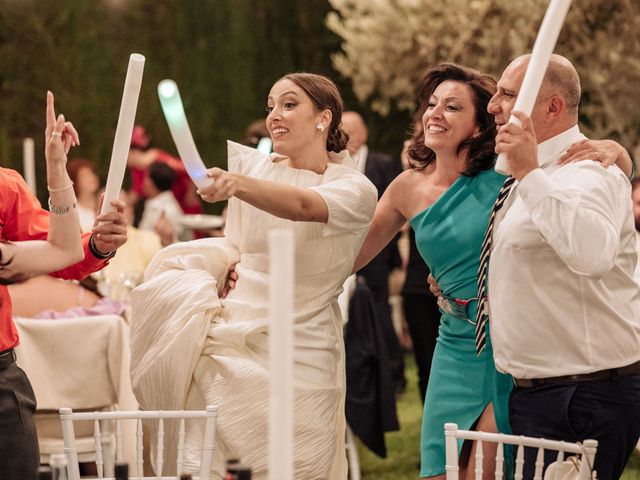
x=586, y=450
x=68, y=417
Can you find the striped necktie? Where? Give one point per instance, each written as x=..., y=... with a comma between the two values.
x=482, y=314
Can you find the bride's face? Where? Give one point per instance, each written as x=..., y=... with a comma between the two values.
x=292, y=118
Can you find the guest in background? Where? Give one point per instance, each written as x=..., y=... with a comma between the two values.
x=381, y=169
x=161, y=205
x=142, y=155
x=256, y=131
x=86, y=185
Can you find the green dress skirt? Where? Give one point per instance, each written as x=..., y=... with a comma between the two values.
x=449, y=236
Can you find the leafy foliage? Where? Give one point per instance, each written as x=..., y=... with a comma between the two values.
x=389, y=44
x=223, y=54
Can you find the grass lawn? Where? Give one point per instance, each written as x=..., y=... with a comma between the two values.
x=403, y=452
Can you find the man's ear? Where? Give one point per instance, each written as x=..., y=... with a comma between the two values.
x=556, y=105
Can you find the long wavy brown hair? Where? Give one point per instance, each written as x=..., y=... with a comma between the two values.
x=481, y=147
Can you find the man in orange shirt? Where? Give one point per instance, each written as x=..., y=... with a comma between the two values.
x=22, y=218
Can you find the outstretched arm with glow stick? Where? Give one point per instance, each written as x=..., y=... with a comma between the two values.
x=540, y=56
x=177, y=120
x=124, y=129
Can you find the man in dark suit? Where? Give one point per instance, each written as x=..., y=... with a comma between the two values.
x=381, y=169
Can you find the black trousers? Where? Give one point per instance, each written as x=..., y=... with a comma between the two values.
x=423, y=318
x=606, y=410
x=19, y=453
x=394, y=350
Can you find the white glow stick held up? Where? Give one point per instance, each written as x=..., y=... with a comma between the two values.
x=540, y=55
x=177, y=120
x=281, y=272
x=29, y=163
x=124, y=129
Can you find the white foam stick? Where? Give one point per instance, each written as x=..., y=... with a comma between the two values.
x=540, y=56
x=29, y=163
x=177, y=120
x=124, y=129
x=281, y=273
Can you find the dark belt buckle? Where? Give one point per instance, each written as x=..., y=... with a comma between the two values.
x=457, y=307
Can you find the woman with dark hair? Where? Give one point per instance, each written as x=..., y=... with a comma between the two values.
x=310, y=186
x=447, y=196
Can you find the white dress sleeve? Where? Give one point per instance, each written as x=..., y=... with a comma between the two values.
x=240, y=159
x=351, y=199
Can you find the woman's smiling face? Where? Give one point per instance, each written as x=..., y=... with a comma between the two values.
x=292, y=117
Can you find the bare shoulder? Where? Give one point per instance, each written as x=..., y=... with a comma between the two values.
x=410, y=178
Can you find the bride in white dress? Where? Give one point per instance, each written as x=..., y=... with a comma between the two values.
x=190, y=348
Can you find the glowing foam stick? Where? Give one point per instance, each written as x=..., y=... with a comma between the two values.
x=265, y=145
x=540, y=55
x=124, y=129
x=177, y=121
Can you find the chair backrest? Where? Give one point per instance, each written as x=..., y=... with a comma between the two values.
x=587, y=451
x=67, y=417
x=73, y=362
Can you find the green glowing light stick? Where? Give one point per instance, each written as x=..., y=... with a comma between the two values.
x=177, y=120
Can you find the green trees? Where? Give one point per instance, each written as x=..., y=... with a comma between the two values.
x=224, y=55
x=389, y=44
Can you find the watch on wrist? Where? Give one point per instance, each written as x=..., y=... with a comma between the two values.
x=96, y=253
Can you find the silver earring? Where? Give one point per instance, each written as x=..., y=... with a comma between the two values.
x=320, y=126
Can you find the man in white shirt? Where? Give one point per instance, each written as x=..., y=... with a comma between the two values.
x=563, y=303
x=635, y=197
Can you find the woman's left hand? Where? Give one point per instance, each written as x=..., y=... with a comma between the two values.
x=224, y=186
x=604, y=151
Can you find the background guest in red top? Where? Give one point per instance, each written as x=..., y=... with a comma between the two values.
x=141, y=156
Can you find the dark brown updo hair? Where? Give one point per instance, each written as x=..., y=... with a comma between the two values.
x=481, y=146
x=325, y=96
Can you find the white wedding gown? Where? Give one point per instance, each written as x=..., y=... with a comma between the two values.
x=190, y=349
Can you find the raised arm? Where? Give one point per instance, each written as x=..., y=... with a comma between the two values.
x=387, y=222
x=63, y=246
x=281, y=200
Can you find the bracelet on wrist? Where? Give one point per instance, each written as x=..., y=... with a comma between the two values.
x=96, y=253
x=60, y=210
x=57, y=190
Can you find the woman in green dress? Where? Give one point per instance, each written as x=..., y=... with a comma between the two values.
x=447, y=197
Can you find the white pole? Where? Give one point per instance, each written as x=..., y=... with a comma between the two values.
x=281, y=268
x=540, y=55
x=124, y=129
x=29, y=163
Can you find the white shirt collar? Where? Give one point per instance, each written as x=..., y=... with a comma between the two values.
x=361, y=157
x=550, y=149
